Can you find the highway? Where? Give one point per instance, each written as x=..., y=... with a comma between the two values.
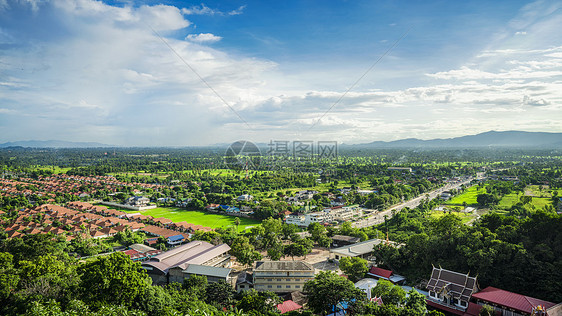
x=379, y=217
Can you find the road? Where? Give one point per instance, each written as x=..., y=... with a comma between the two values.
x=379, y=217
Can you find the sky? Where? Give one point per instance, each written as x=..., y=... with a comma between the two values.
x=184, y=73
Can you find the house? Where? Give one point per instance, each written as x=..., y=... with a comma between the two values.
x=445, y=195
x=137, y=201
x=509, y=303
x=244, y=281
x=282, y=276
x=174, y=265
x=175, y=240
x=362, y=249
x=340, y=240
x=380, y=273
x=450, y=291
x=244, y=197
x=303, y=220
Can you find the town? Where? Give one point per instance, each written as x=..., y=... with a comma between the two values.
x=283, y=246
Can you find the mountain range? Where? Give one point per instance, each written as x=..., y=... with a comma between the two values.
x=53, y=144
x=506, y=139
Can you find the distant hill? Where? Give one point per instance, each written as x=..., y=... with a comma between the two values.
x=509, y=139
x=53, y=144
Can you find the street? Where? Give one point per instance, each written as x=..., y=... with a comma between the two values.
x=379, y=217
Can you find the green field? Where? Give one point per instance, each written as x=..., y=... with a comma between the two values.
x=464, y=216
x=468, y=196
x=54, y=169
x=509, y=200
x=513, y=198
x=197, y=217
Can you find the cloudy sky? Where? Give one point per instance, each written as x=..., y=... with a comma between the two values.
x=153, y=73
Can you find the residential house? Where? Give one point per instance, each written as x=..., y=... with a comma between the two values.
x=244, y=197
x=282, y=276
x=137, y=201
x=340, y=240
x=244, y=281
x=445, y=195
x=384, y=274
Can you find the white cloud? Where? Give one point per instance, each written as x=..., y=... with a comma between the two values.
x=203, y=38
x=238, y=11
x=205, y=10
x=104, y=74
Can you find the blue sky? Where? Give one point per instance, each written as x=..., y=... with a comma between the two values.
x=83, y=70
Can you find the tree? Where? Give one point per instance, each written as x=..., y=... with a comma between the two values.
x=486, y=310
x=244, y=252
x=485, y=199
x=415, y=303
x=237, y=223
x=260, y=303
x=195, y=285
x=294, y=250
x=355, y=267
x=391, y=294
x=526, y=199
x=327, y=289
x=307, y=245
x=113, y=279
x=219, y=293
x=275, y=252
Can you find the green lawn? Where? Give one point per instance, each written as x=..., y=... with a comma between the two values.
x=197, y=217
x=468, y=196
x=464, y=216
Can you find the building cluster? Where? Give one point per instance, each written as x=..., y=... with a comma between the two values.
x=326, y=216
x=76, y=185
x=458, y=294
x=90, y=221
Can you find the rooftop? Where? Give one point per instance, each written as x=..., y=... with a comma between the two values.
x=283, y=266
x=511, y=300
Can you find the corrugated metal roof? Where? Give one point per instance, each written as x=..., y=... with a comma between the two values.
x=207, y=270
x=175, y=238
x=509, y=299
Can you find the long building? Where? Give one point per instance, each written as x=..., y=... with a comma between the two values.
x=282, y=276
x=194, y=258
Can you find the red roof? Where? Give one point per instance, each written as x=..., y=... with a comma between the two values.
x=444, y=308
x=473, y=309
x=380, y=272
x=509, y=299
x=288, y=306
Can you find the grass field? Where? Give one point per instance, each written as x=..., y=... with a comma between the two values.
x=464, y=216
x=509, y=200
x=54, y=169
x=513, y=198
x=468, y=196
x=197, y=217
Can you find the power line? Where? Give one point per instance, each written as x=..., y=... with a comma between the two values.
x=360, y=78
x=200, y=77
